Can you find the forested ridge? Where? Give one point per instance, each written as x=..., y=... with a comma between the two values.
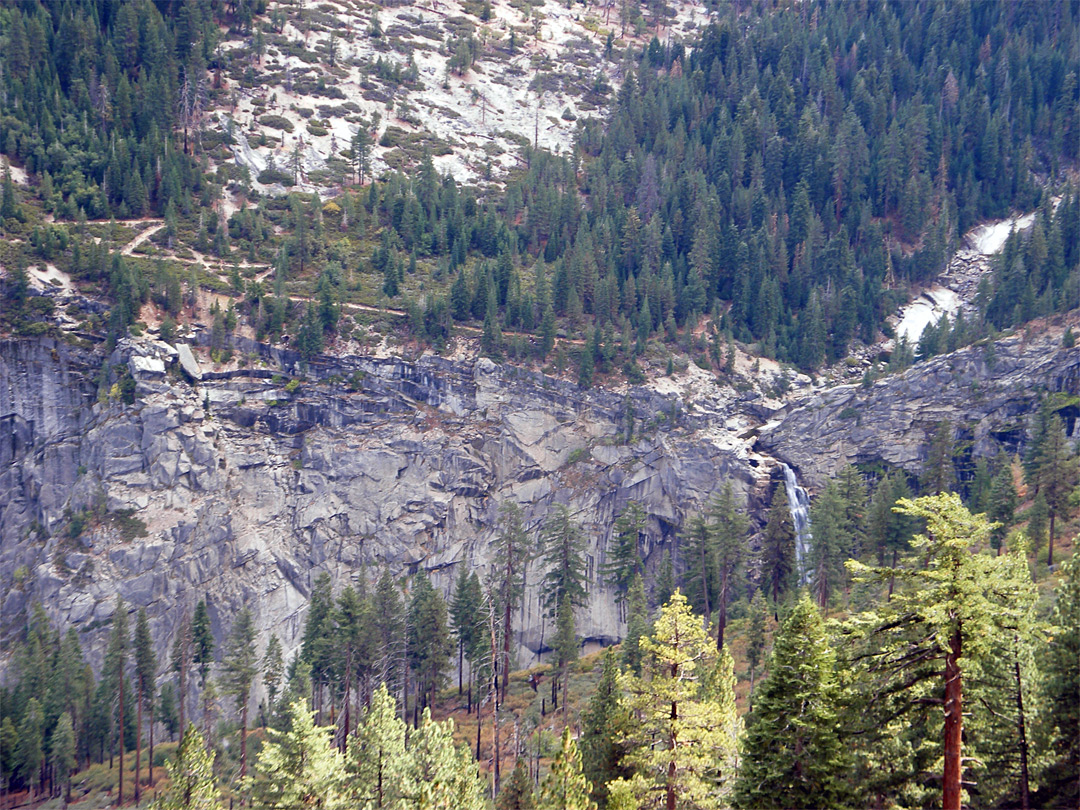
x=787, y=177
x=780, y=184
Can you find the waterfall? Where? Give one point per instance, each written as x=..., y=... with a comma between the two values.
x=799, y=505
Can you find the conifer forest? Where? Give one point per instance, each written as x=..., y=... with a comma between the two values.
x=540, y=404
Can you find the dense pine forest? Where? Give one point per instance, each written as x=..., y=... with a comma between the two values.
x=780, y=185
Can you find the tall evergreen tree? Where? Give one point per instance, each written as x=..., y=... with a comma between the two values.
x=62, y=753
x=376, y=756
x=1059, y=723
x=511, y=558
x=793, y=755
x=517, y=794
x=756, y=638
x=565, y=787
x=1056, y=473
x=273, y=668
x=952, y=602
x=563, y=548
x=727, y=528
x=603, y=724
x=191, y=776
x=300, y=767
x=778, y=548
x=240, y=666
x=114, y=675
x=682, y=745
x=202, y=655
x=429, y=638
x=1002, y=506
x=145, y=675
x=624, y=559
x=637, y=625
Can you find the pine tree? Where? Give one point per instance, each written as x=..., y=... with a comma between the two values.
x=681, y=730
x=191, y=776
x=113, y=675
x=240, y=666
x=778, y=546
x=202, y=654
x=830, y=546
x=565, y=644
x=429, y=641
x=1005, y=702
x=272, y=670
x=603, y=723
x=62, y=752
x=465, y=616
x=511, y=558
x=563, y=547
x=517, y=794
x=756, y=638
x=728, y=529
x=624, y=560
x=30, y=746
x=440, y=774
x=1060, y=720
x=1056, y=474
x=565, y=787
x=637, y=625
x=939, y=474
x=951, y=604
x=145, y=674
x=700, y=578
x=300, y=767
x=316, y=649
x=390, y=632
x=376, y=756
x=1002, y=506
x=664, y=586
x=793, y=755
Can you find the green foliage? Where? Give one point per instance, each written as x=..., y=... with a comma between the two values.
x=793, y=755
x=429, y=641
x=778, y=549
x=624, y=559
x=953, y=605
x=191, y=776
x=683, y=728
x=299, y=768
x=517, y=793
x=565, y=787
x=603, y=724
x=376, y=758
x=563, y=548
x=1059, y=721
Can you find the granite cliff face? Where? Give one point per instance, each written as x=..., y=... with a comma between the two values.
x=249, y=483
x=986, y=392
x=282, y=477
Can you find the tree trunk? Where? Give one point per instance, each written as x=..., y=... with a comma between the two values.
x=150, y=759
x=183, y=695
x=1025, y=797
x=954, y=724
x=120, y=730
x=721, y=621
x=705, y=587
x=460, y=667
x=1050, y=551
x=243, y=737
x=670, y=803
x=138, y=740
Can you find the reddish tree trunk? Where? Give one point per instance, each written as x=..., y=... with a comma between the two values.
x=138, y=741
x=120, y=783
x=954, y=724
x=243, y=737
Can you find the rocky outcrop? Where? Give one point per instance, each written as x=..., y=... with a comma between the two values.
x=986, y=392
x=249, y=483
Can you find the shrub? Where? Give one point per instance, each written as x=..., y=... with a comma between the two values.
x=279, y=122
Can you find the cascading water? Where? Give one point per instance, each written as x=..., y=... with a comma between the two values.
x=799, y=505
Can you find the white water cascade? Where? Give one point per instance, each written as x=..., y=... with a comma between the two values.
x=799, y=505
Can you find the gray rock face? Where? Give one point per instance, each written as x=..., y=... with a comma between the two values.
x=986, y=395
x=247, y=503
